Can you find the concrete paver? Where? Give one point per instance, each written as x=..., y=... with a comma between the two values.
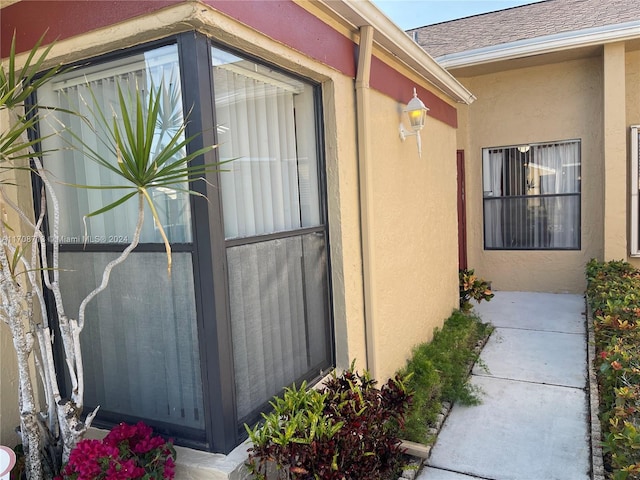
x=535, y=311
x=522, y=431
x=533, y=421
x=542, y=357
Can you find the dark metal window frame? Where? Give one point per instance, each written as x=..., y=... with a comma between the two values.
x=529, y=197
x=222, y=432
x=322, y=228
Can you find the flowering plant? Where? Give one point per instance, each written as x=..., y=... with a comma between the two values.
x=127, y=452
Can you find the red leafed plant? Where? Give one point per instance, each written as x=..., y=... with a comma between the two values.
x=127, y=452
x=346, y=430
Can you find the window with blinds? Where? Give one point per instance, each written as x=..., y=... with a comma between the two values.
x=92, y=92
x=140, y=343
x=247, y=308
x=532, y=196
x=275, y=235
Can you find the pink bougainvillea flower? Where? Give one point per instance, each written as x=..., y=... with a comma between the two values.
x=128, y=452
x=125, y=470
x=169, y=468
x=603, y=354
x=147, y=444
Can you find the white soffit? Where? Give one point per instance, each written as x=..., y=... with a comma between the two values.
x=390, y=37
x=541, y=45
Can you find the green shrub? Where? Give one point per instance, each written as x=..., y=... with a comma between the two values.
x=614, y=295
x=438, y=372
x=472, y=287
x=347, y=430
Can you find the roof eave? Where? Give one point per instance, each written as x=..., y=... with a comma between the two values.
x=541, y=45
x=391, y=38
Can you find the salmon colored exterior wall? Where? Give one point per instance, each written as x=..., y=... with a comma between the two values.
x=632, y=80
x=415, y=229
x=415, y=225
x=616, y=159
x=594, y=99
x=632, y=101
x=560, y=101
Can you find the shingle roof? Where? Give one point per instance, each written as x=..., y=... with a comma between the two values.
x=519, y=23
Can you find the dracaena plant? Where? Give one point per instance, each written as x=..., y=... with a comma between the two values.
x=142, y=162
x=52, y=426
x=17, y=85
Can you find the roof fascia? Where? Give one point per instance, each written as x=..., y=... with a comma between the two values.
x=391, y=38
x=541, y=45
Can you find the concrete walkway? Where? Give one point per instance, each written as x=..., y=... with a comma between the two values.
x=533, y=421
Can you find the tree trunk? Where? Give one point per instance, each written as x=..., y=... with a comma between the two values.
x=30, y=431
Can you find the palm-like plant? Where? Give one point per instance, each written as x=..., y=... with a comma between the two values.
x=16, y=87
x=142, y=163
x=129, y=137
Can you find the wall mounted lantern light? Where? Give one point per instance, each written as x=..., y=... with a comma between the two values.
x=417, y=113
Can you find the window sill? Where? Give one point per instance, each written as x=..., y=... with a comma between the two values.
x=195, y=465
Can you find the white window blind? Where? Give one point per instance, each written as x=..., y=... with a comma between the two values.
x=277, y=286
x=265, y=124
x=91, y=91
x=140, y=340
x=532, y=196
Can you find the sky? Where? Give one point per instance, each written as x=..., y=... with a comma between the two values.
x=418, y=13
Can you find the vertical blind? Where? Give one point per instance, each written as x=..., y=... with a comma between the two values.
x=277, y=286
x=140, y=341
x=94, y=92
x=272, y=182
x=532, y=196
x=278, y=291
